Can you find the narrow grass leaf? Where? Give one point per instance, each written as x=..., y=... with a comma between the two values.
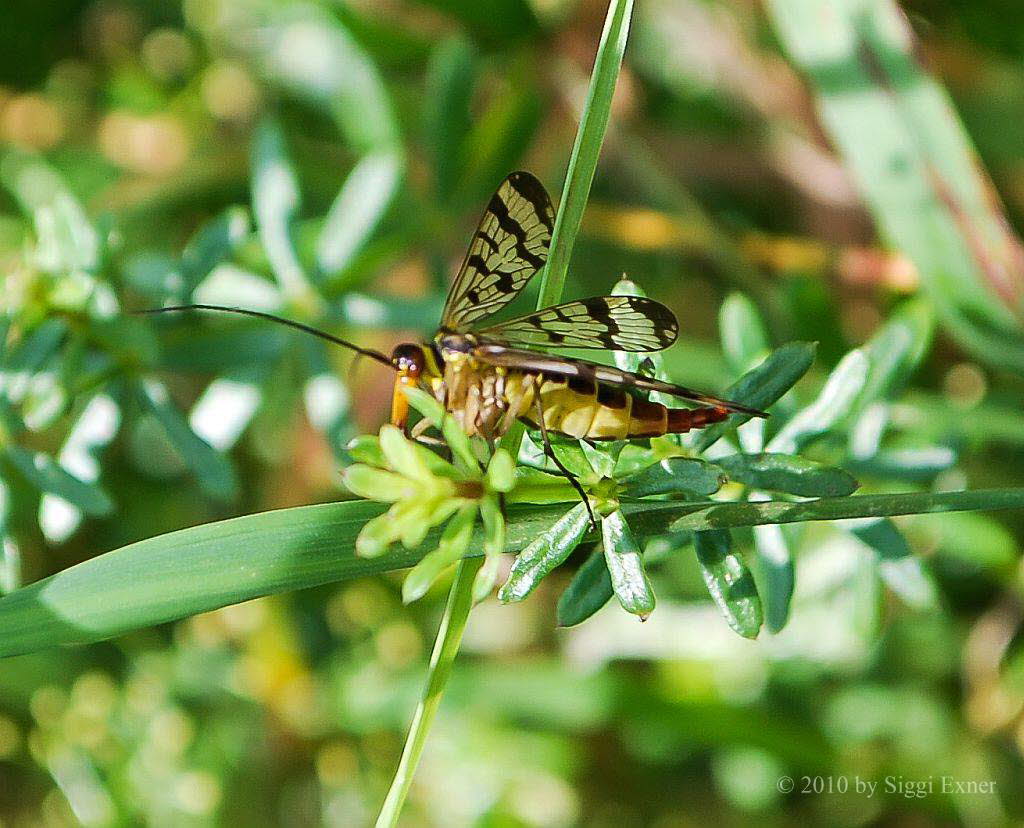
x=729, y=581
x=588, y=591
x=586, y=149
x=675, y=475
x=760, y=387
x=46, y=475
x=713, y=515
x=213, y=471
x=906, y=149
x=549, y=549
x=786, y=473
x=625, y=566
x=208, y=566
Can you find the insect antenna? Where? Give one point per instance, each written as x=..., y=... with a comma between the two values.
x=291, y=323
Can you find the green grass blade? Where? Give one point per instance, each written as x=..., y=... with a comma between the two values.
x=446, y=647
x=901, y=139
x=198, y=569
x=586, y=150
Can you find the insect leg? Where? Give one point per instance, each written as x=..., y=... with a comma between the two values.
x=550, y=452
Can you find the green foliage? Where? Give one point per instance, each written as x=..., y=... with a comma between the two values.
x=326, y=161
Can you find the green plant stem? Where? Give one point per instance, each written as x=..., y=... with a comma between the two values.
x=446, y=646
x=586, y=149
x=582, y=163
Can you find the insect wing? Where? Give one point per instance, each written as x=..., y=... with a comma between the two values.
x=493, y=353
x=508, y=248
x=612, y=323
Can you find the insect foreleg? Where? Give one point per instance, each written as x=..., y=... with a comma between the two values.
x=550, y=452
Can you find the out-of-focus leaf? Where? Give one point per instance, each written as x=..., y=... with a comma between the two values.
x=899, y=569
x=501, y=20
x=896, y=350
x=760, y=388
x=675, y=475
x=311, y=53
x=21, y=361
x=914, y=164
x=46, y=475
x=213, y=471
x=66, y=241
x=356, y=212
x=275, y=198
x=447, y=121
x=224, y=410
x=212, y=244
x=744, y=338
x=777, y=574
x=499, y=138
x=833, y=403
x=10, y=561
x=787, y=473
x=625, y=566
x=729, y=581
x=915, y=465
x=546, y=552
x=588, y=591
x=94, y=428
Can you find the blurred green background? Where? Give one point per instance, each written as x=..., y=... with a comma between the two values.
x=327, y=161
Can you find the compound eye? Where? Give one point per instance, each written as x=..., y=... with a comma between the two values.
x=408, y=358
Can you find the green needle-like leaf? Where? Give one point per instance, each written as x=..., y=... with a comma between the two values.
x=625, y=566
x=589, y=590
x=785, y=473
x=275, y=198
x=545, y=553
x=675, y=475
x=760, y=388
x=46, y=475
x=729, y=581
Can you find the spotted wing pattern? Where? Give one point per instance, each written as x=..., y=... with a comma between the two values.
x=509, y=246
x=613, y=323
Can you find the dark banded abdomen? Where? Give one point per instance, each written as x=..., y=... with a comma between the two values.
x=595, y=411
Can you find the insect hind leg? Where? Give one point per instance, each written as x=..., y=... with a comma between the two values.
x=550, y=452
